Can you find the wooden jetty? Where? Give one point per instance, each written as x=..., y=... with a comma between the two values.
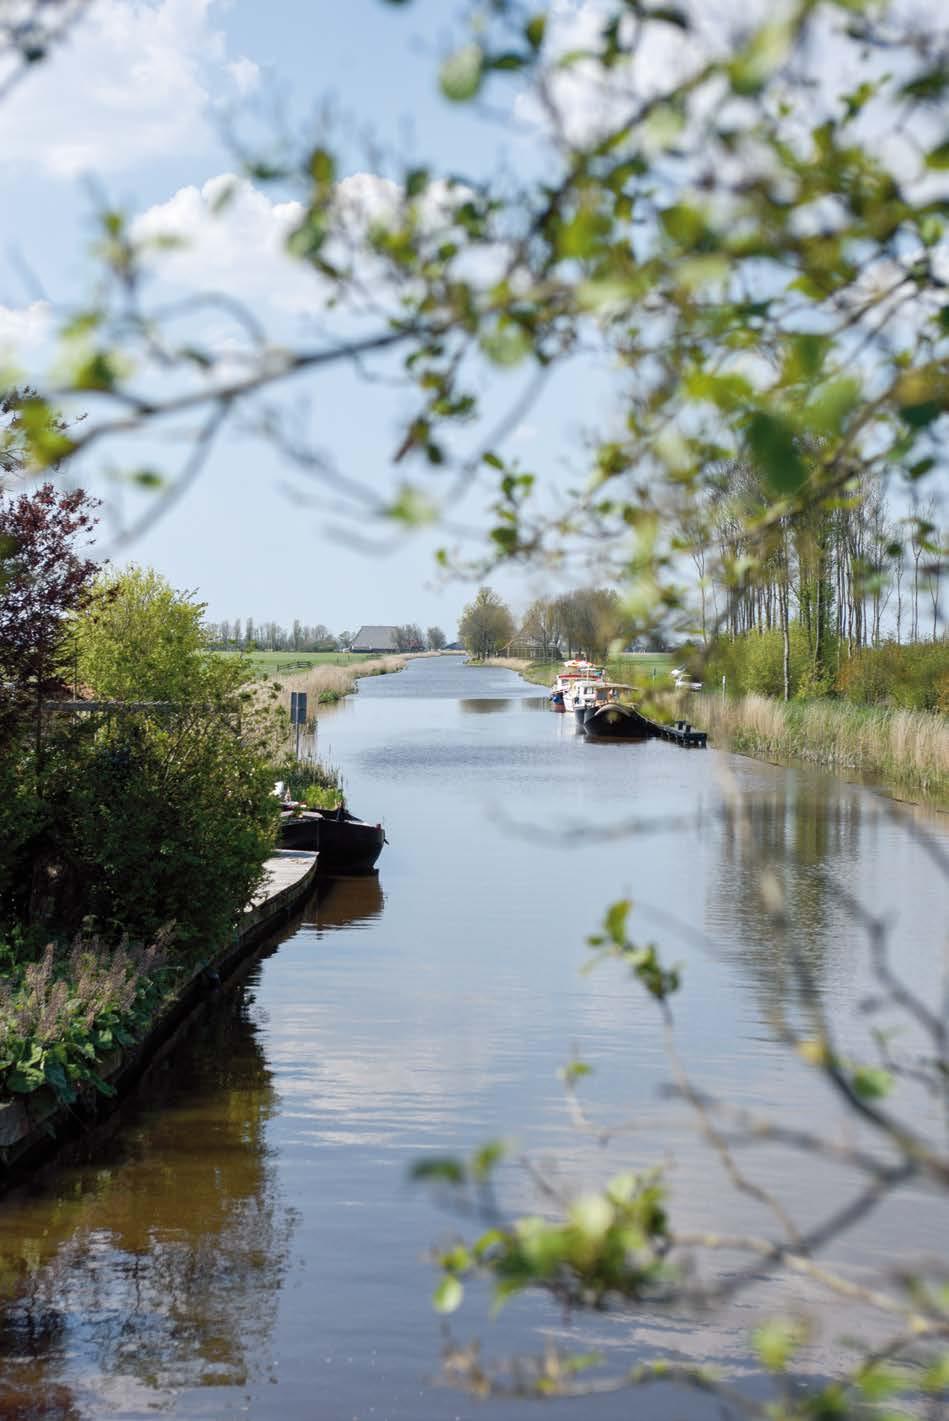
x=682, y=733
x=34, y=1126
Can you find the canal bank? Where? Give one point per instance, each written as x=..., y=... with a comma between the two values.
x=34, y=1126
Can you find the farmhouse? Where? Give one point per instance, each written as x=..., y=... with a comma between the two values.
x=375, y=639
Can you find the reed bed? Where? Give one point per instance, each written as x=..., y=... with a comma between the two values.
x=325, y=684
x=899, y=747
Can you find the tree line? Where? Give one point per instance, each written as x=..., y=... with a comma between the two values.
x=585, y=620
x=251, y=635
x=843, y=572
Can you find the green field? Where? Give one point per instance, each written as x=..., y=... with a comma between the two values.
x=270, y=663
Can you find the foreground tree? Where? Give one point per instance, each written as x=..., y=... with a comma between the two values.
x=141, y=640
x=44, y=579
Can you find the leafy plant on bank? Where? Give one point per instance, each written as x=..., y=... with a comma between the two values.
x=64, y=1014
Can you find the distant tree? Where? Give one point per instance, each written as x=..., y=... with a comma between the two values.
x=436, y=639
x=541, y=628
x=44, y=579
x=591, y=618
x=345, y=640
x=409, y=637
x=486, y=624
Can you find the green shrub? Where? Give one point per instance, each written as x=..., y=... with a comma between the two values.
x=153, y=821
x=913, y=677
x=302, y=776
x=322, y=796
x=753, y=664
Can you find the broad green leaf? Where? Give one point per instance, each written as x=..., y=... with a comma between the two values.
x=462, y=74
x=534, y=30
x=772, y=443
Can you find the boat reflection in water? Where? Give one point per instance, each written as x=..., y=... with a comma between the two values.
x=346, y=903
x=490, y=706
x=485, y=705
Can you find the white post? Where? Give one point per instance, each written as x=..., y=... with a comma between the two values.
x=723, y=690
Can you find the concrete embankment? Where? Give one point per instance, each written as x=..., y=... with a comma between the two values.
x=34, y=1126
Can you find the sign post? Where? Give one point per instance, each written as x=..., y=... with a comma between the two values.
x=298, y=714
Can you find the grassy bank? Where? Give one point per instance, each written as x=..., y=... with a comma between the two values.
x=901, y=748
x=276, y=663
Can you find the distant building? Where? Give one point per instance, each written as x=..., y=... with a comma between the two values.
x=375, y=639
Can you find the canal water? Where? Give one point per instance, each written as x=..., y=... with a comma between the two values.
x=248, y=1241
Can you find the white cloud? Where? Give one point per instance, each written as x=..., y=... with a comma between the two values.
x=236, y=248
x=23, y=329
x=233, y=240
x=135, y=79
x=245, y=73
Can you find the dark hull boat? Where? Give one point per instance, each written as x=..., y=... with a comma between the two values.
x=617, y=722
x=344, y=843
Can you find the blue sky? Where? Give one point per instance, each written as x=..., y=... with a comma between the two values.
x=138, y=100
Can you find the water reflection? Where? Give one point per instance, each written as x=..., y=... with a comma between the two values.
x=484, y=705
x=159, y=1265
x=805, y=836
x=347, y=903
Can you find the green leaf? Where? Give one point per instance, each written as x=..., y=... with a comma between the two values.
x=776, y=1342
x=322, y=167
x=484, y=1160
x=509, y=60
x=574, y=1071
x=615, y=920
x=445, y=1168
x=448, y=1295
x=535, y=29
x=871, y=1082
x=772, y=443
x=25, y=1079
x=462, y=74
x=827, y=413
x=938, y=157
x=506, y=344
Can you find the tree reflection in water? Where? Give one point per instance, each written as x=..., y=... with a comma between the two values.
x=807, y=835
x=158, y=1266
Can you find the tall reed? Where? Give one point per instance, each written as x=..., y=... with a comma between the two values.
x=327, y=683
x=900, y=747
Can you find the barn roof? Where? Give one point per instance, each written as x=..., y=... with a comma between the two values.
x=375, y=639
